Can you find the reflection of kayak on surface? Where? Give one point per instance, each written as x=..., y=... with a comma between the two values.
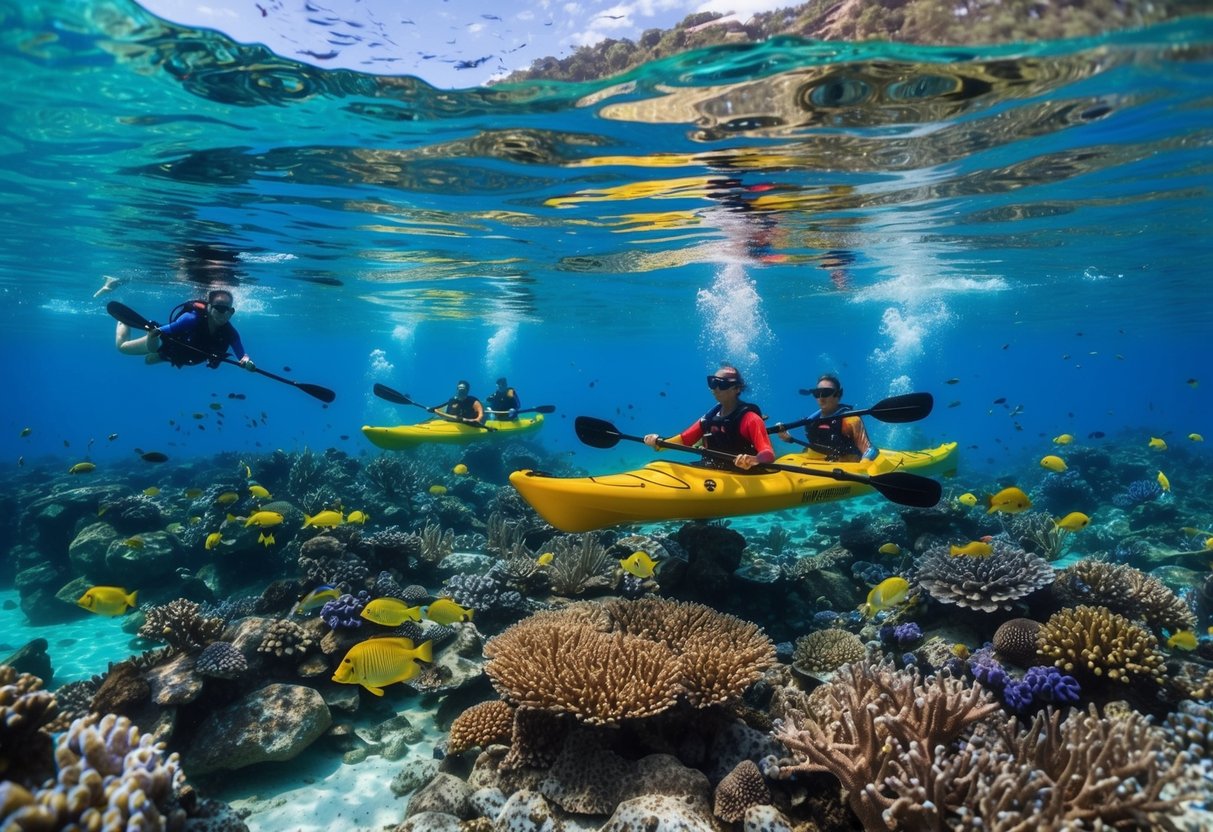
x=680, y=491
x=444, y=431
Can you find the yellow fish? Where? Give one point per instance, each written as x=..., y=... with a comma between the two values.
x=212, y=540
x=318, y=597
x=227, y=498
x=1183, y=639
x=133, y=543
x=1053, y=463
x=1163, y=481
x=967, y=499
x=1064, y=439
x=446, y=611
x=545, y=559
x=1075, y=521
x=194, y=519
x=972, y=549
x=960, y=650
x=1010, y=500
x=1209, y=544
x=890, y=549
x=1157, y=444
x=324, y=519
x=358, y=518
x=460, y=470
x=264, y=519
x=390, y=612
x=248, y=473
x=174, y=528
x=378, y=662
x=259, y=491
x=151, y=491
x=639, y=564
x=437, y=490
x=266, y=540
x=1196, y=437
x=887, y=594
x=82, y=468
x=107, y=600
x=193, y=493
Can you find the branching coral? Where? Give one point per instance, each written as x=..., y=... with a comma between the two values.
x=578, y=562
x=181, y=625
x=1094, y=641
x=482, y=725
x=26, y=710
x=826, y=650
x=989, y=583
x=603, y=663
x=286, y=638
x=436, y=544
x=1125, y=590
x=503, y=538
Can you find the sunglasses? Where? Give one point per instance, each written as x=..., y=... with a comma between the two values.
x=718, y=383
x=223, y=308
x=823, y=392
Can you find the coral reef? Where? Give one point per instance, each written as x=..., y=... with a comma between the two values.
x=221, y=660
x=988, y=584
x=395, y=546
x=26, y=711
x=579, y=562
x=436, y=544
x=1138, y=492
x=1095, y=642
x=286, y=638
x=181, y=625
x=741, y=788
x=826, y=650
x=486, y=593
x=1125, y=590
x=1015, y=640
x=345, y=611
x=482, y=725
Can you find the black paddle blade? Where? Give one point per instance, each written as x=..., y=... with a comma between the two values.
x=597, y=433
x=543, y=408
x=124, y=314
x=900, y=409
x=388, y=394
x=908, y=489
x=317, y=392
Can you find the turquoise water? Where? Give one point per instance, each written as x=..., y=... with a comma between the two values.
x=1021, y=231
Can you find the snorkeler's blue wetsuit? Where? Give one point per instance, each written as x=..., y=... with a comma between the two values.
x=191, y=328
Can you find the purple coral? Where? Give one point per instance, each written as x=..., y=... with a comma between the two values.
x=1141, y=491
x=900, y=634
x=1017, y=696
x=987, y=669
x=1048, y=684
x=345, y=611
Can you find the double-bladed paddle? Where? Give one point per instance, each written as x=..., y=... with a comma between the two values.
x=898, y=486
x=388, y=394
x=909, y=407
x=543, y=408
x=131, y=318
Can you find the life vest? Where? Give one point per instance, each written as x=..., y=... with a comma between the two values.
x=199, y=336
x=503, y=400
x=198, y=307
x=826, y=437
x=464, y=408
x=723, y=433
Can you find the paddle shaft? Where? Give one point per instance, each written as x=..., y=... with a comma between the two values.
x=396, y=397
x=543, y=408
x=909, y=407
x=130, y=317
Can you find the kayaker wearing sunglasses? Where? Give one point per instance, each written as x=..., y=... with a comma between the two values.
x=732, y=426
x=198, y=331
x=832, y=432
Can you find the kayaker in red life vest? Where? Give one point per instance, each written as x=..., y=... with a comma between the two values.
x=463, y=407
x=732, y=426
x=832, y=432
x=206, y=326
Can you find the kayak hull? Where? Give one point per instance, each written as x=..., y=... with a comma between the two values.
x=443, y=432
x=680, y=491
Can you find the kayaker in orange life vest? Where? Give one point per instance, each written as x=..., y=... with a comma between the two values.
x=463, y=407
x=732, y=426
x=203, y=325
x=832, y=432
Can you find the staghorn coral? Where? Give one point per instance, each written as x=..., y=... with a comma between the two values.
x=579, y=562
x=741, y=788
x=482, y=725
x=436, y=544
x=865, y=724
x=826, y=650
x=286, y=638
x=26, y=711
x=986, y=584
x=1015, y=640
x=503, y=538
x=1094, y=641
x=222, y=660
x=181, y=625
x=605, y=662
x=1125, y=590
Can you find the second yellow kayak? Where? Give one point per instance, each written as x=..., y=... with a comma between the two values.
x=443, y=431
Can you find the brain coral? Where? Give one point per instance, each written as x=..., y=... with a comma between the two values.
x=1015, y=641
x=482, y=725
x=987, y=584
x=1095, y=641
x=602, y=662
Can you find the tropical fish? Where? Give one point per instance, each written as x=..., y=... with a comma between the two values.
x=1010, y=500
x=215, y=406
x=446, y=611
x=133, y=543
x=1163, y=482
x=1157, y=444
x=1075, y=521
x=264, y=519
x=151, y=491
x=227, y=498
x=972, y=549
x=82, y=468
x=1064, y=439
x=194, y=519
x=323, y=519
x=378, y=662
x=1196, y=437
x=259, y=491
x=1053, y=463
x=153, y=456
x=390, y=612
x=266, y=540
x=887, y=594
x=1192, y=383
x=212, y=540
x=358, y=518
x=967, y=499
x=960, y=650
x=318, y=597
x=639, y=564
x=460, y=470
x=193, y=493
x=112, y=437
x=107, y=600
x=1183, y=639
x=437, y=490
x=889, y=549
x=952, y=381
x=26, y=431
x=545, y=559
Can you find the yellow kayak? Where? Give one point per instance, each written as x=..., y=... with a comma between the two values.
x=446, y=432
x=687, y=491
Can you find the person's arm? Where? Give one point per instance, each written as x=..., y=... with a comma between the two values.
x=478, y=409
x=180, y=327
x=688, y=437
x=755, y=430
x=239, y=350
x=853, y=427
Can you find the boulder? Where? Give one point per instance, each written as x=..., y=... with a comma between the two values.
x=157, y=559
x=32, y=659
x=88, y=549
x=660, y=813
x=175, y=682
x=446, y=794
x=50, y=522
x=273, y=723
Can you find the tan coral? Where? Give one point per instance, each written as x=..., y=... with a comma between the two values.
x=827, y=650
x=482, y=725
x=1094, y=641
x=740, y=789
x=1015, y=641
x=1125, y=590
